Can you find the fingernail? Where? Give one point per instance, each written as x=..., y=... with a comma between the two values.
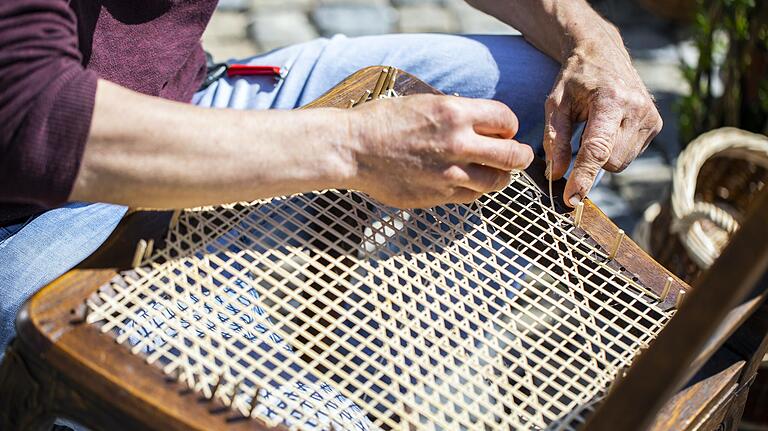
x=574, y=200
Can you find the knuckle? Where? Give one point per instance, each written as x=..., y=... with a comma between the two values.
x=515, y=157
x=610, y=93
x=659, y=124
x=454, y=175
x=457, y=145
x=447, y=111
x=598, y=150
x=445, y=193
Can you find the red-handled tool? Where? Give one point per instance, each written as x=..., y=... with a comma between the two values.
x=248, y=70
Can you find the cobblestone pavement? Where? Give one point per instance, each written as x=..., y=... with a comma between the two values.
x=241, y=28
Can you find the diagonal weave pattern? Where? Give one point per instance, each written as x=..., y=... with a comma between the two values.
x=329, y=311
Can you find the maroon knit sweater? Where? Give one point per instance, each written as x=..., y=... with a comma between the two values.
x=51, y=54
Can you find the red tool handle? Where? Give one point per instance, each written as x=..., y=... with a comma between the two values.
x=247, y=70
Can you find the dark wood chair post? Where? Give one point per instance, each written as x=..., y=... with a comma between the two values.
x=24, y=400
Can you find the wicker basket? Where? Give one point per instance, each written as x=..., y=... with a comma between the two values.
x=715, y=181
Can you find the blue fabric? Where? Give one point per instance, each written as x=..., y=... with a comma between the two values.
x=45, y=247
x=505, y=68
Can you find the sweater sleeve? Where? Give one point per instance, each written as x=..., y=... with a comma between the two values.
x=46, y=101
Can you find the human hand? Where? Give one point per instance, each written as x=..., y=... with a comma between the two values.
x=599, y=86
x=425, y=150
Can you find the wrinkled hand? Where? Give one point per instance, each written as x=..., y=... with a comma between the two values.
x=425, y=150
x=601, y=87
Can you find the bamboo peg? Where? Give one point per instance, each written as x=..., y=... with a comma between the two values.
x=235, y=390
x=141, y=248
x=579, y=214
x=665, y=292
x=176, y=374
x=254, y=401
x=364, y=97
x=616, y=245
x=380, y=83
x=391, y=80
x=150, y=249
x=217, y=386
x=174, y=219
x=680, y=298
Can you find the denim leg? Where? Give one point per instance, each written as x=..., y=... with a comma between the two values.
x=46, y=247
x=504, y=68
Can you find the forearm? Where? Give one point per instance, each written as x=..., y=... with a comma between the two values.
x=555, y=27
x=147, y=152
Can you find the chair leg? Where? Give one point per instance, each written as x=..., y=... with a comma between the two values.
x=24, y=396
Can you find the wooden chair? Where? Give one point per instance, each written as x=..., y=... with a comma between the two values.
x=65, y=363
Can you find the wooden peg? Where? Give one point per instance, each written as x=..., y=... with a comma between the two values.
x=680, y=298
x=391, y=80
x=217, y=386
x=138, y=255
x=616, y=245
x=579, y=214
x=80, y=317
x=235, y=390
x=174, y=219
x=254, y=401
x=176, y=375
x=351, y=104
x=380, y=83
x=364, y=97
x=665, y=291
x=150, y=248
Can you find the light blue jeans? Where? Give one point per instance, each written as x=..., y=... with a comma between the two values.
x=505, y=68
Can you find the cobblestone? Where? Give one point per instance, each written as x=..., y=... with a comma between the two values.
x=273, y=23
x=427, y=18
x=354, y=19
x=267, y=28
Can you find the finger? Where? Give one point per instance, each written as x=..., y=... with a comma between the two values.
x=558, y=131
x=632, y=139
x=654, y=128
x=491, y=118
x=481, y=179
x=603, y=125
x=462, y=195
x=504, y=154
